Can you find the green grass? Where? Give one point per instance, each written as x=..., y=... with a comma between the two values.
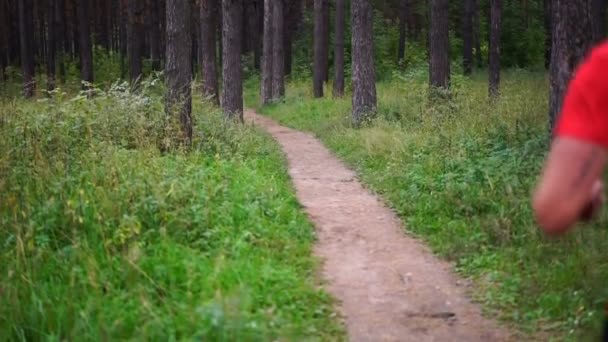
x=460, y=174
x=104, y=237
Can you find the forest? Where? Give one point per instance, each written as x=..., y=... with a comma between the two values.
x=231, y=170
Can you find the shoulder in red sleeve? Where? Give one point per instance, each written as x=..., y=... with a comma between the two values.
x=584, y=114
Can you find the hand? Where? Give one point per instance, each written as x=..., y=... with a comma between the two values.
x=596, y=202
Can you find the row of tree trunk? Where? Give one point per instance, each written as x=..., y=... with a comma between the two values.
x=51, y=30
x=44, y=33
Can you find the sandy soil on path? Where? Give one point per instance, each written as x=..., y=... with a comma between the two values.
x=389, y=286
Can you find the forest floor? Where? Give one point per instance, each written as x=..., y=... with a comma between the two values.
x=389, y=285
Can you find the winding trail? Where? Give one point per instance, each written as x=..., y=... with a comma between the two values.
x=389, y=286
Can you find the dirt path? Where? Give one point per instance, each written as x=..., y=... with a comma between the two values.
x=389, y=286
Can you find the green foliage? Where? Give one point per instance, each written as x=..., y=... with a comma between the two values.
x=105, y=237
x=522, y=40
x=523, y=35
x=460, y=174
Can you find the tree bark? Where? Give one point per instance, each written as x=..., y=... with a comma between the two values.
x=122, y=34
x=321, y=32
x=194, y=53
x=599, y=20
x=136, y=39
x=325, y=41
x=14, y=51
x=364, y=75
x=40, y=37
x=26, y=34
x=85, y=46
x=403, y=5
x=209, y=50
x=467, y=36
x=258, y=51
x=60, y=38
x=572, y=21
x=278, y=58
x=267, y=57
x=339, y=48
x=51, y=44
x=495, y=32
x=439, y=45
x=154, y=31
x=178, y=68
x=4, y=47
x=232, y=90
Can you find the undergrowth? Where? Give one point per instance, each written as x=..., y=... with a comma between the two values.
x=104, y=237
x=460, y=173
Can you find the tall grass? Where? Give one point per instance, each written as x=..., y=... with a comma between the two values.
x=460, y=174
x=104, y=237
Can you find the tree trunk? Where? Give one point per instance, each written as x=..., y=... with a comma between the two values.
x=51, y=44
x=163, y=31
x=293, y=18
x=108, y=23
x=85, y=46
x=195, y=46
x=60, y=37
x=13, y=33
x=548, y=31
x=209, y=50
x=364, y=75
x=325, y=40
x=278, y=58
x=402, y=30
x=599, y=20
x=572, y=21
x=287, y=53
x=321, y=31
x=123, y=34
x=40, y=38
x=154, y=31
x=439, y=45
x=339, y=48
x=136, y=39
x=101, y=18
x=178, y=68
x=267, y=57
x=4, y=47
x=467, y=36
x=257, y=52
x=494, y=59
x=232, y=90
x=26, y=34
x=220, y=33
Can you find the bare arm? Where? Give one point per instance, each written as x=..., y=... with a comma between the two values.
x=570, y=183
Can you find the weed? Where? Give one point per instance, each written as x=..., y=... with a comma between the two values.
x=105, y=237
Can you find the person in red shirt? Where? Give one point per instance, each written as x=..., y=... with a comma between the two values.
x=570, y=187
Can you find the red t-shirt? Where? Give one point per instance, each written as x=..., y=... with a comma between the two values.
x=585, y=109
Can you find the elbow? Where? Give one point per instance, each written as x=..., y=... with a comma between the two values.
x=554, y=218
